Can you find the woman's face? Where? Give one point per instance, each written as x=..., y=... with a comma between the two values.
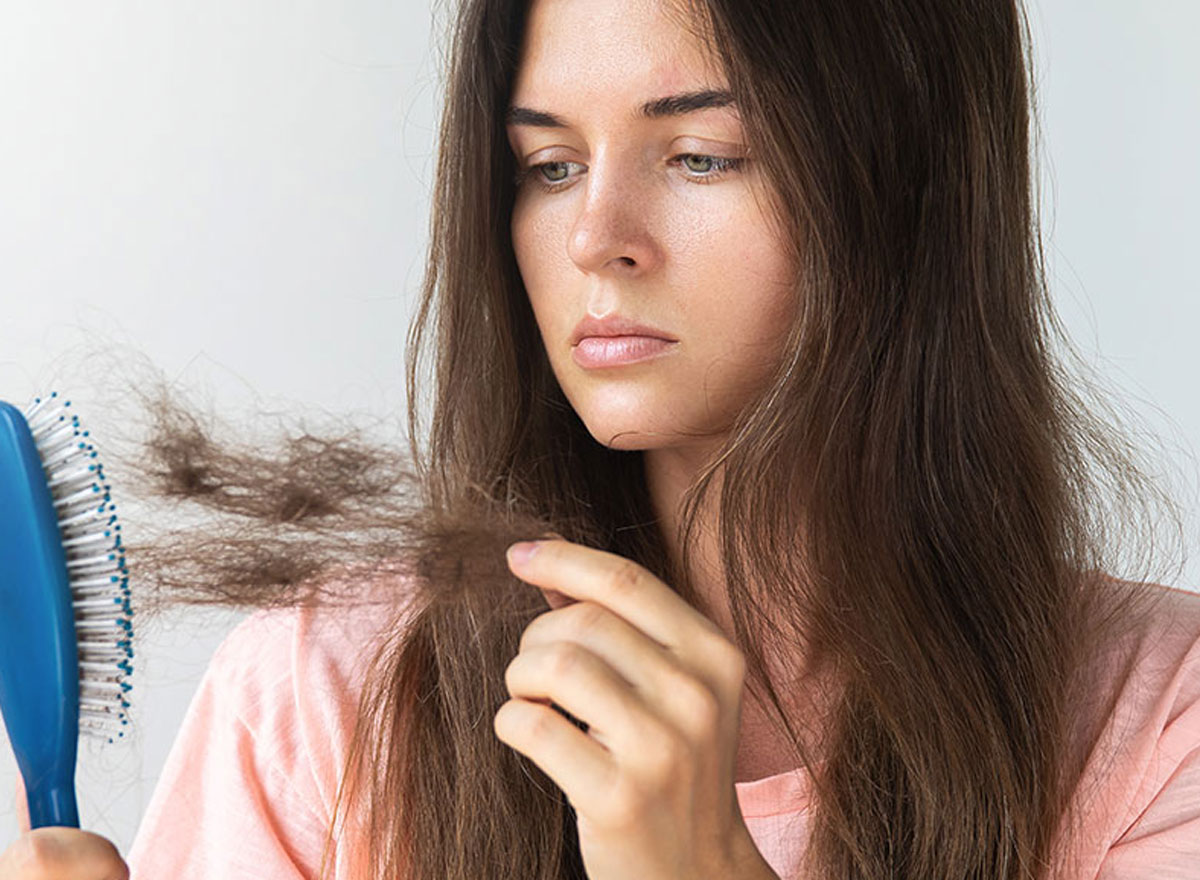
x=654, y=219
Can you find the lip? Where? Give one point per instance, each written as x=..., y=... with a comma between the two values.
x=599, y=352
x=615, y=325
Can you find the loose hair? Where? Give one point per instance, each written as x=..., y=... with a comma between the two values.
x=920, y=499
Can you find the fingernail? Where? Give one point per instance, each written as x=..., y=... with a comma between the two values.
x=521, y=551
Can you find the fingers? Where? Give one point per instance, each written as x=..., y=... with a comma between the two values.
x=555, y=599
x=58, y=853
x=22, y=806
x=62, y=854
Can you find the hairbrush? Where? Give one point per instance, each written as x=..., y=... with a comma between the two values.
x=65, y=616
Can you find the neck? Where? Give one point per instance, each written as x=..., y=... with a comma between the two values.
x=668, y=474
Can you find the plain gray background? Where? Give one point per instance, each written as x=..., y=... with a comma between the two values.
x=239, y=190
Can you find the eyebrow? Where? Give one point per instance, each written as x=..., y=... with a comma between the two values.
x=659, y=108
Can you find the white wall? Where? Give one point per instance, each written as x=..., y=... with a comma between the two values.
x=239, y=190
x=236, y=189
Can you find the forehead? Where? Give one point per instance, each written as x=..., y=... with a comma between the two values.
x=585, y=51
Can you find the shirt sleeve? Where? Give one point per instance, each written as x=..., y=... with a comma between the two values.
x=229, y=803
x=1163, y=839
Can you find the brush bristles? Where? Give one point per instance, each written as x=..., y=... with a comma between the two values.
x=99, y=580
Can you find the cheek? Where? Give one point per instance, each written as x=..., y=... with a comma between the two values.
x=753, y=319
x=523, y=246
x=536, y=248
x=771, y=272
x=757, y=296
x=530, y=256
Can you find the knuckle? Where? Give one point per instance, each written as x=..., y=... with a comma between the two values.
x=730, y=660
x=540, y=721
x=510, y=674
x=110, y=857
x=586, y=617
x=508, y=717
x=531, y=632
x=500, y=723
x=564, y=659
x=736, y=664
x=626, y=578
x=701, y=706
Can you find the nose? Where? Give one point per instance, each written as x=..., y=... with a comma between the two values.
x=612, y=228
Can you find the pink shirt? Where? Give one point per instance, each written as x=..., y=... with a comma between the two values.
x=248, y=786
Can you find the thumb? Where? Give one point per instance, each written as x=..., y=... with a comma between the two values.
x=22, y=806
x=554, y=598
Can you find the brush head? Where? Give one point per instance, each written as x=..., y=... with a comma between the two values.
x=65, y=613
x=95, y=559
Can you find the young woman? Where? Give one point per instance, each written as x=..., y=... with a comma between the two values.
x=742, y=303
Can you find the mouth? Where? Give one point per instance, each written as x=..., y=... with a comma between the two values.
x=615, y=326
x=600, y=352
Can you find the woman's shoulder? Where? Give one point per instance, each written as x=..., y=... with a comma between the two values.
x=333, y=636
x=293, y=674
x=1138, y=795
x=261, y=751
x=1153, y=670
x=1163, y=646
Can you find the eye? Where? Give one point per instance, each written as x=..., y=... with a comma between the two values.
x=711, y=169
x=552, y=166
x=712, y=162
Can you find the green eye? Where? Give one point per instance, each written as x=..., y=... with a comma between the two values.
x=561, y=165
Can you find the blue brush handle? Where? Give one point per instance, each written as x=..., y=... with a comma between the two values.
x=39, y=661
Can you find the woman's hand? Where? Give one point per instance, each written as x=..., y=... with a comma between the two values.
x=660, y=688
x=59, y=853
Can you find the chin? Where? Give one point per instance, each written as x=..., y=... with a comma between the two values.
x=622, y=420
x=625, y=442
x=623, y=437
x=626, y=436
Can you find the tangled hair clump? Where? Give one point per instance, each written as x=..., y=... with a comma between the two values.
x=285, y=526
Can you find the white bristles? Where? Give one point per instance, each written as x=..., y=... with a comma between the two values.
x=84, y=540
x=104, y=582
x=78, y=477
x=89, y=562
x=109, y=653
x=88, y=494
x=89, y=625
x=85, y=516
x=99, y=580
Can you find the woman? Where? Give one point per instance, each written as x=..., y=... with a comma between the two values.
x=831, y=465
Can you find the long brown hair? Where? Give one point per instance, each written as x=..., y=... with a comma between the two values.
x=956, y=500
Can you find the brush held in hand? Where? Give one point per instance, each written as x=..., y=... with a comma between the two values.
x=65, y=630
